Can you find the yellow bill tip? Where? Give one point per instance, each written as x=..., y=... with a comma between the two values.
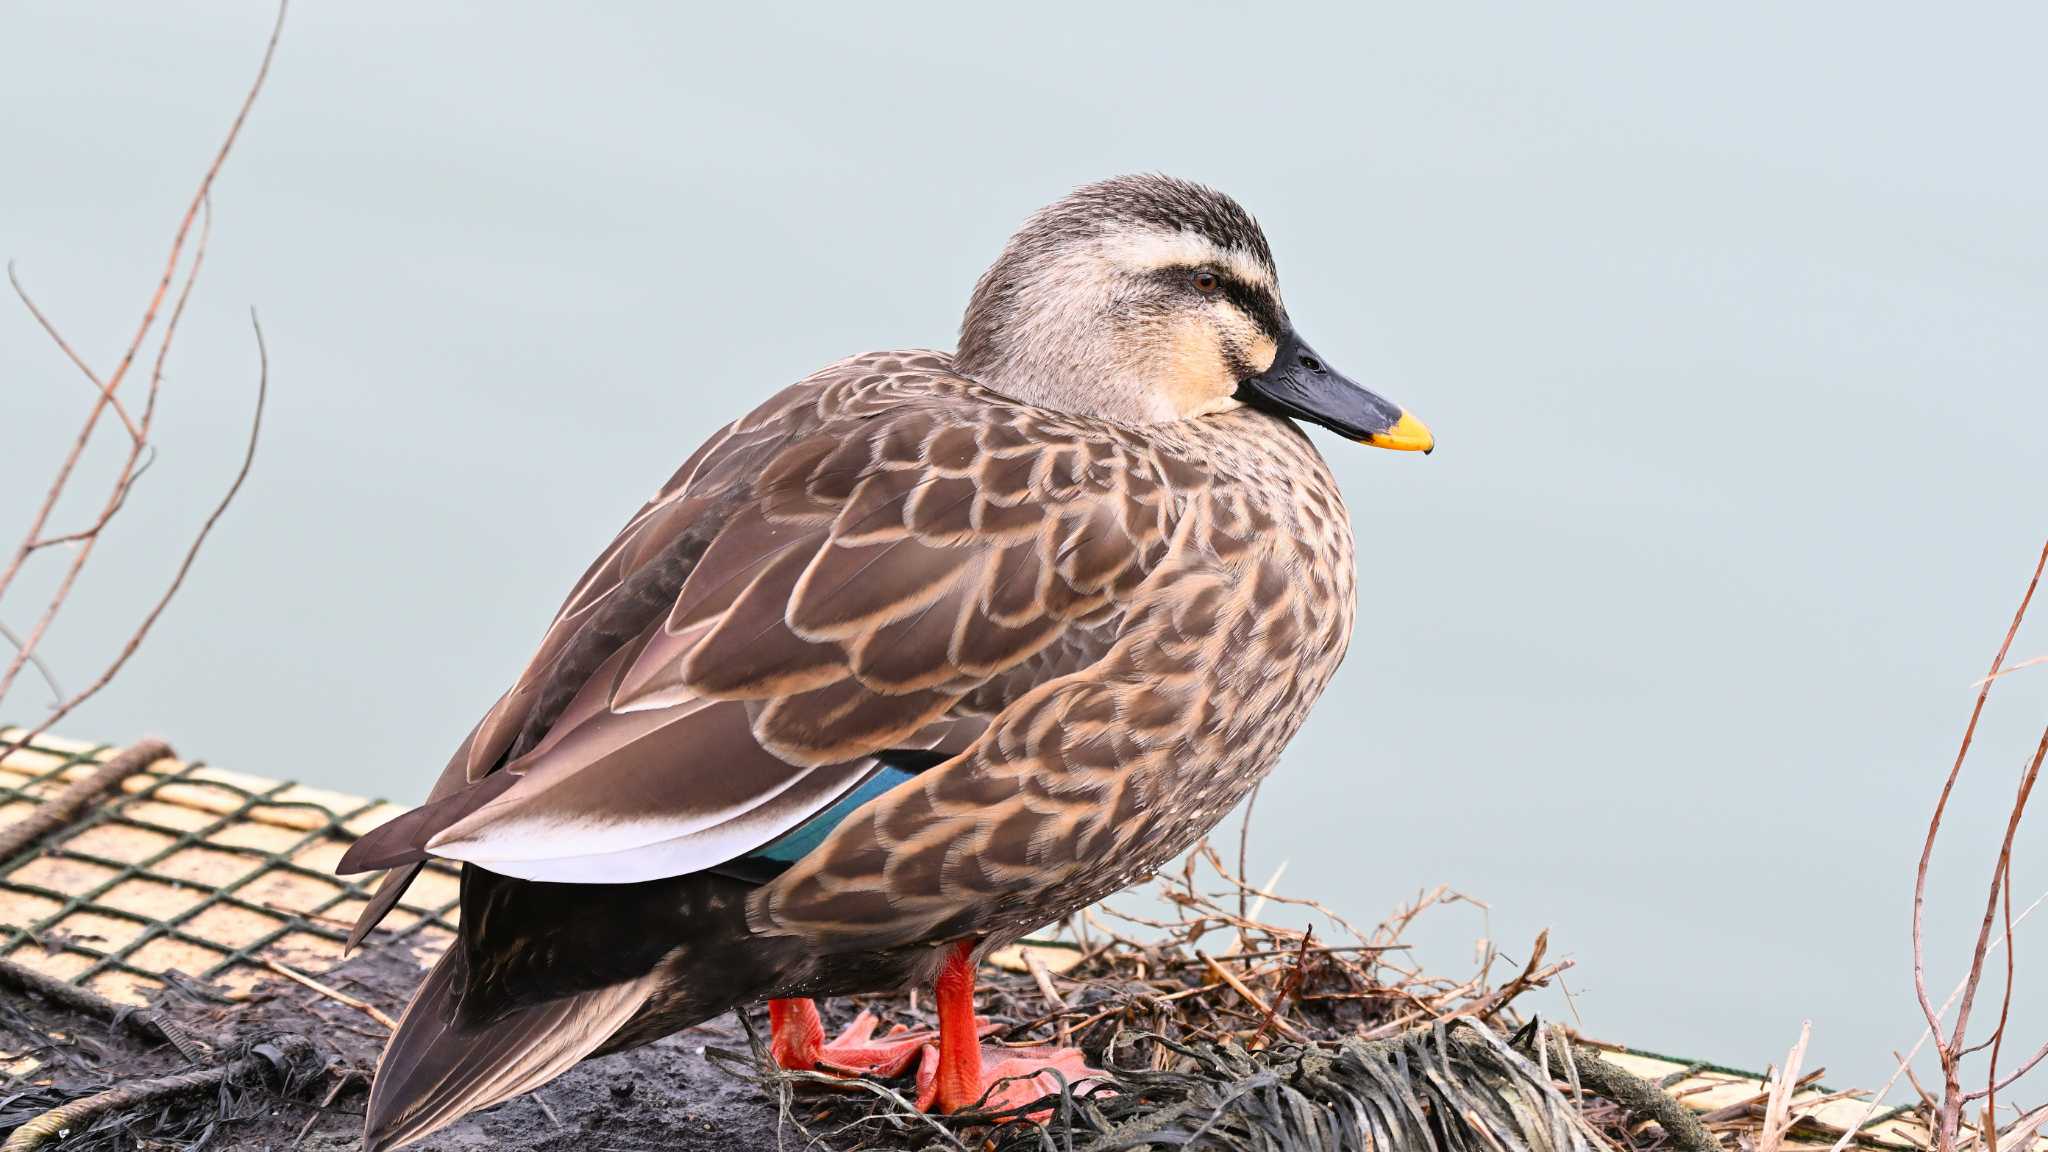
x=1407, y=435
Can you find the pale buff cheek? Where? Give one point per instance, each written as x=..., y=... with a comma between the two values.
x=1194, y=373
x=1259, y=349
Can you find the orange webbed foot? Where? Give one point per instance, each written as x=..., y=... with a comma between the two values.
x=857, y=1052
x=799, y=1042
x=1006, y=1078
x=956, y=1072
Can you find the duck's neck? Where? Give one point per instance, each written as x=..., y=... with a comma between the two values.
x=1099, y=391
x=1061, y=349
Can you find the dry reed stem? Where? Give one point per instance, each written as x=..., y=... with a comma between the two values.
x=2009, y=669
x=1778, y=1107
x=1954, y=1048
x=138, y=428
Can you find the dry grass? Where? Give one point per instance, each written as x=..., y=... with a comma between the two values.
x=1224, y=1030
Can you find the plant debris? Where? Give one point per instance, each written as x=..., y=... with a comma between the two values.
x=1223, y=1031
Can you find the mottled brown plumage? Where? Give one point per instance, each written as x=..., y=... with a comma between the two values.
x=1076, y=634
x=1170, y=610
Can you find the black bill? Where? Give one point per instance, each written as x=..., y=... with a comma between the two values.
x=1302, y=384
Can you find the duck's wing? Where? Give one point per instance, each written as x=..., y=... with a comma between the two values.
x=868, y=564
x=655, y=548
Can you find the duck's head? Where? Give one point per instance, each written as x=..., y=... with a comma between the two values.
x=1146, y=299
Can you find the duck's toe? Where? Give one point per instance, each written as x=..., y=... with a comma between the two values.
x=799, y=1042
x=1008, y=1078
x=857, y=1052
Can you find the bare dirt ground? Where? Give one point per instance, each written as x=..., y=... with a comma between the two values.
x=665, y=1096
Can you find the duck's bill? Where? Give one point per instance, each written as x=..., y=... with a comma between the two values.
x=1302, y=384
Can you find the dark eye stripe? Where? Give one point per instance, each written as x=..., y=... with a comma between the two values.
x=1253, y=301
x=1256, y=303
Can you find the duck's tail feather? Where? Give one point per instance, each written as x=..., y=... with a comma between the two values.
x=435, y=1069
x=389, y=889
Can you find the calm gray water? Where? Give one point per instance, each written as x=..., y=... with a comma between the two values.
x=1728, y=321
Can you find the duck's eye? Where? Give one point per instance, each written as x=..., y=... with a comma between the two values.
x=1205, y=282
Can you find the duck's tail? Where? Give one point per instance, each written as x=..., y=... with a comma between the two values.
x=435, y=1069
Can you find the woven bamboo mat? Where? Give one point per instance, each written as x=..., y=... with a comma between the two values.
x=190, y=869
x=217, y=875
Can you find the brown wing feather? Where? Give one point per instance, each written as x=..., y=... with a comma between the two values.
x=847, y=566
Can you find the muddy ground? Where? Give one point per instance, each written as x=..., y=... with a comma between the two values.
x=666, y=1096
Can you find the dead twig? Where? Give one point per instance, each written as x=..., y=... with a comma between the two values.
x=334, y=994
x=1288, y=990
x=1043, y=978
x=1778, y=1108
x=1523, y=979
x=1250, y=997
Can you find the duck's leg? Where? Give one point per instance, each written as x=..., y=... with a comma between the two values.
x=958, y=1072
x=797, y=1040
x=796, y=1033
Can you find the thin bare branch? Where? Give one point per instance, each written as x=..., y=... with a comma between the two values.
x=1948, y=788
x=88, y=538
x=163, y=601
x=64, y=346
x=1952, y=1051
x=2004, y=882
x=2009, y=669
x=109, y=390
x=42, y=669
x=2002, y=889
x=163, y=350
x=1954, y=1099
x=1902, y=1065
x=121, y=495
x=1244, y=845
